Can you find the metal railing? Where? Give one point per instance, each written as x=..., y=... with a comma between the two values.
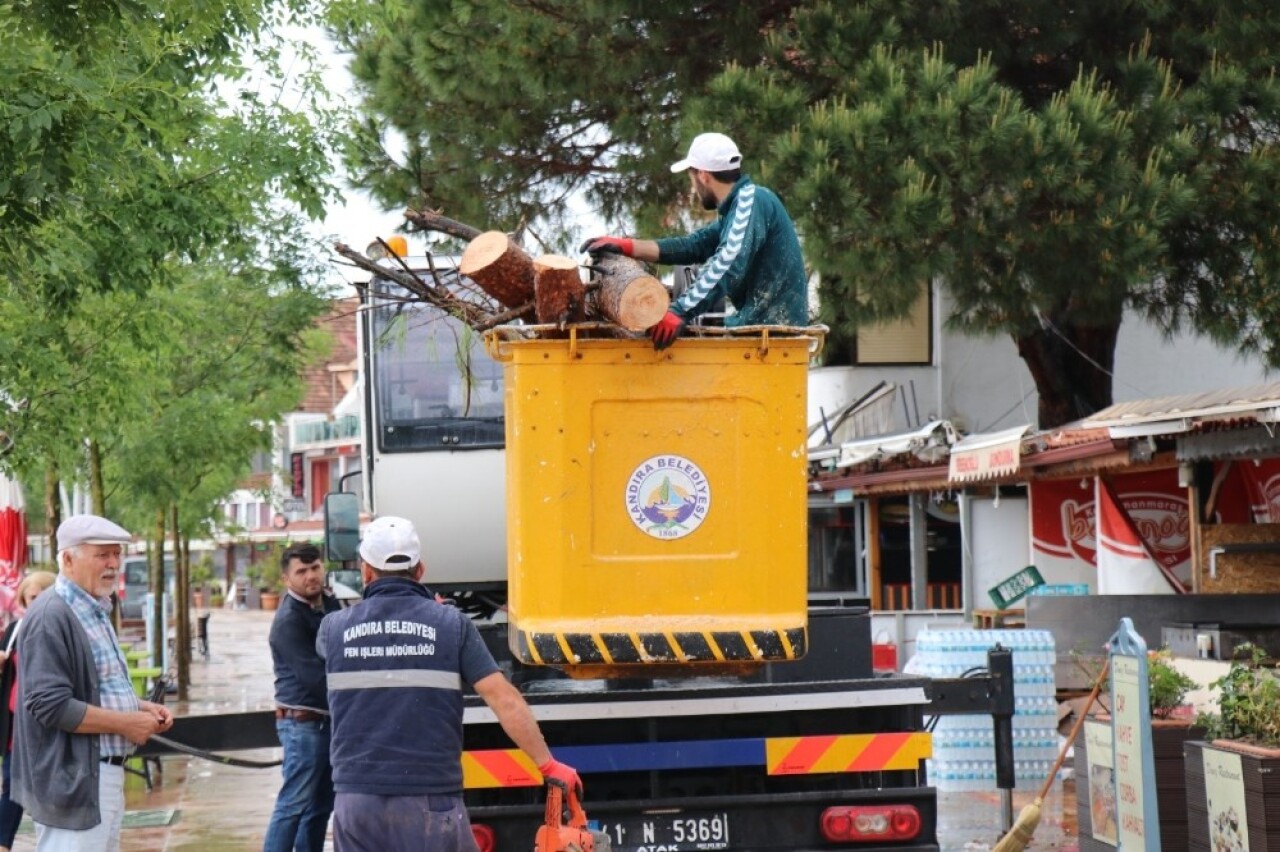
x=325, y=431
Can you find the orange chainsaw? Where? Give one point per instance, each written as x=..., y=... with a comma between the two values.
x=565, y=828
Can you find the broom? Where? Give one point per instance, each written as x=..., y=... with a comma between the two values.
x=1024, y=828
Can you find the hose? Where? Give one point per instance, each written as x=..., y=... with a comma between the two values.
x=216, y=758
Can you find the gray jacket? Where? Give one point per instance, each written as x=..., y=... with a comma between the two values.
x=55, y=772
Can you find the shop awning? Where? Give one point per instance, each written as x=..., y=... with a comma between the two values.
x=928, y=443
x=987, y=455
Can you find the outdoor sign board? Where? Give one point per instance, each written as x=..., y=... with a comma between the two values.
x=1137, y=820
x=1224, y=793
x=1016, y=587
x=1102, y=781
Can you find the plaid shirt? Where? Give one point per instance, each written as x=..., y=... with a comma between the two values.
x=114, y=687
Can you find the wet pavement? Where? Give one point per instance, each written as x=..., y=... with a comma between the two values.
x=201, y=806
x=972, y=821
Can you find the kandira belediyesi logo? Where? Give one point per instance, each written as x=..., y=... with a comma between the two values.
x=668, y=496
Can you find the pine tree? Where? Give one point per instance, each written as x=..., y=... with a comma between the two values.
x=1052, y=165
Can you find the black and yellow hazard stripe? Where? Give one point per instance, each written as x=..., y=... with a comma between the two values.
x=711, y=646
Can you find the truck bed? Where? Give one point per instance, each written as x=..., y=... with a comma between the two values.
x=717, y=763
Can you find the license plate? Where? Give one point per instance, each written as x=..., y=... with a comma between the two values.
x=668, y=832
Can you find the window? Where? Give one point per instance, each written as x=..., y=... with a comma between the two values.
x=435, y=386
x=262, y=462
x=905, y=341
x=835, y=561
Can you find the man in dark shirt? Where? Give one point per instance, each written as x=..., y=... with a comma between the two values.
x=301, y=816
x=750, y=253
x=397, y=663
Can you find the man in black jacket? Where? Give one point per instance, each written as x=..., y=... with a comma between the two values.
x=301, y=816
x=397, y=663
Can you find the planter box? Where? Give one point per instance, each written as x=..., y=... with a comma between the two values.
x=1167, y=741
x=1261, y=777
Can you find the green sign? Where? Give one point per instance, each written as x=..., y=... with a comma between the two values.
x=1016, y=587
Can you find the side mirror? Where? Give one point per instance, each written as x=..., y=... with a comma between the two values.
x=341, y=526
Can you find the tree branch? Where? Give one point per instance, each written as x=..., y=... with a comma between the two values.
x=429, y=220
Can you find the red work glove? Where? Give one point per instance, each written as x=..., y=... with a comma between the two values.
x=553, y=771
x=609, y=245
x=666, y=331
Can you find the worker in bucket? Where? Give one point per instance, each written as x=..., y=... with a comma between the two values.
x=750, y=253
x=396, y=664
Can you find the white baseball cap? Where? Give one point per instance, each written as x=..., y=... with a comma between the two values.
x=391, y=544
x=711, y=152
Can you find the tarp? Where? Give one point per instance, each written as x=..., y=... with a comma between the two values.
x=929, y=443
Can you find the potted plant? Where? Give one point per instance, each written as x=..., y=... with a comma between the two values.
x=1167, y=689
x=1244, y=733
x=266, y=578
x=200, y=577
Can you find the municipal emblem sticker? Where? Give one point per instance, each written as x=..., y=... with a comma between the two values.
x=668, y=496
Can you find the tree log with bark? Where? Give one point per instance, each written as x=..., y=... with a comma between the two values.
x=559, y=295
x=500, y=267
x=621, y=290
x=627, y=294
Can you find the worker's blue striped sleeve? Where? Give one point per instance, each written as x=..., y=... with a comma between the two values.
x=732, y=247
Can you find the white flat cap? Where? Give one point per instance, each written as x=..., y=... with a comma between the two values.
x=90, y=529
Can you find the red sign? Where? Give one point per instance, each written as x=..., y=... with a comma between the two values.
x=298, y=471
x=1064, y=523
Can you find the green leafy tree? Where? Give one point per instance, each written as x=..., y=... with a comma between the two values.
x=138, y=145
x=1051, y=165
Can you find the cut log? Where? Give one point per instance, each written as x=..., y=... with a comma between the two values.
x=559, y=296
x=627, y=294
x=500, y=267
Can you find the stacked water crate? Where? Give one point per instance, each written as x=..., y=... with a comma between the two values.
x=964, y=746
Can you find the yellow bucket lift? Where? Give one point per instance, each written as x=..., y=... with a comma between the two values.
x=656, y=501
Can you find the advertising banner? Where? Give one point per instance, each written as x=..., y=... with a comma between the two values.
x=1064, y=524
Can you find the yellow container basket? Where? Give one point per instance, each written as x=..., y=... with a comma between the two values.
x=656, y=508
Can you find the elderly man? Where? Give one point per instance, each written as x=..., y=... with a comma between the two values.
x=78, y=717
x=396, y=664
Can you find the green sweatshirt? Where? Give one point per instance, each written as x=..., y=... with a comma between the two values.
x=750, y=254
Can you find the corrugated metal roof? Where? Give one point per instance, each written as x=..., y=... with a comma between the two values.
x=1254, y=442
x=1205, y=404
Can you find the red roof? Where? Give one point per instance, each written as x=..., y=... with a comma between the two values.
x=328, y=381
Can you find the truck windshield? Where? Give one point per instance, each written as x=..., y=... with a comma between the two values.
x=434, y=386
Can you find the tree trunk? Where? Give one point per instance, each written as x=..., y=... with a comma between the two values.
x=500, y=267
x=182, y=577
x=559, y=296
x=156, y=560
x=627, y=294
x=52, y=504
x=1072, y=366
x=97, y=496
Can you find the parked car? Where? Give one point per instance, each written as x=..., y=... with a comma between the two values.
x=346, y=584
x=135, y=582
